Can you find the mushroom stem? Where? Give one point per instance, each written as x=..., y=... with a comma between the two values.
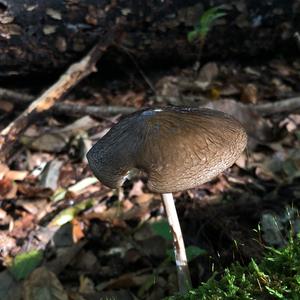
x=184, y=278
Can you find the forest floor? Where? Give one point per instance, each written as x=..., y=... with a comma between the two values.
x=61, y=226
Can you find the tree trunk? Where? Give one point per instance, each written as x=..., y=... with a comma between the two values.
x=47, y=35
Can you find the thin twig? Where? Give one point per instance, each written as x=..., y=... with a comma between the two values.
x=147, y=80
x=93, y=111
x=288, y=105
x=13, y=96
x=281, y=106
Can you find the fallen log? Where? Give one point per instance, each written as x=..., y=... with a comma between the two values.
x=42, y=36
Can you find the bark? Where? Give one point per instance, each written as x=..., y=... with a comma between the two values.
x=46, y=35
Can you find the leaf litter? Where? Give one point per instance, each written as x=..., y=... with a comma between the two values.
x=60, y=226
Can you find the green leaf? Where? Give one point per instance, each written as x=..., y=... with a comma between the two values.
x=24, y=263
x=207, y=19
x=274, y=293
x=192, y=36
x=211, y=15
x=162, y=229
x=193, y=251
x=58, y=195
x=70, y=213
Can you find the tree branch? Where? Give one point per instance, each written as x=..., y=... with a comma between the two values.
x=288, y=105
x=68, y=80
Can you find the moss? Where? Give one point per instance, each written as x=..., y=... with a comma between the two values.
x=277, y=276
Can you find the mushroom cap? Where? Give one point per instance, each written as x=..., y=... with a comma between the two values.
x=178, y=148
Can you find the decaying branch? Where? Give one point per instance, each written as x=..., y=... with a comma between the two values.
x=68, y=80
x=15, y=97
x=281, y=106
x=289, y=105
x=93, y=111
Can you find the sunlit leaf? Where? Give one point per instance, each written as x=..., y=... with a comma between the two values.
x=24, y=263
x=59, y=194
x=68, y=214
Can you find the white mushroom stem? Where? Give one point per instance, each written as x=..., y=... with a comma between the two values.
x=184, y=278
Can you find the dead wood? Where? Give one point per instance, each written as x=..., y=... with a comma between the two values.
x=68, y=80
x=93, y=111
x=52, y=34
x=22, y=99
x=288, y=105
x=15, y=97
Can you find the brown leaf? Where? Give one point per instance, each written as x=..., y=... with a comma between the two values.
x=143, y=209
x=137, y=189
x=16, y=175
x=23, y=226
x=125, y=281
x=3, y=170
x=208, y=72
x=8, y=189
x=6, y=106
x=86, y=285
x=6, y=244
x=249, y=93
x=34, y=191
x=87, y=262
x=43, y=284
x=112, y=215
x=77, y=230
x=256, y=126
x=50, y=175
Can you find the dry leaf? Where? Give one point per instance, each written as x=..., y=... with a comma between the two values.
x=249, y=93
x=34, y=191
x=86, y=285
x=8, y=189
x=77, y=230
x=6, y=243
x=49, y=29
x=3, y=170
x=6, y=106
x=125, y=281
x=50, y=175
x=256, y=126
x=16, y=175
x=207, y=74
x=43, y=284
x=54, y=14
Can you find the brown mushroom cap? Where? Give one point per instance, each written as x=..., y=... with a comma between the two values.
x=178, y=148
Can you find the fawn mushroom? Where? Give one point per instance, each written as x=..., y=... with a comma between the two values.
x=178, y=148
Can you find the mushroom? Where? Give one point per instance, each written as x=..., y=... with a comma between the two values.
x=178, y=148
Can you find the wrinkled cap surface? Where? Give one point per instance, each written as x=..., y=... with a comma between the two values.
x=178, y=148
